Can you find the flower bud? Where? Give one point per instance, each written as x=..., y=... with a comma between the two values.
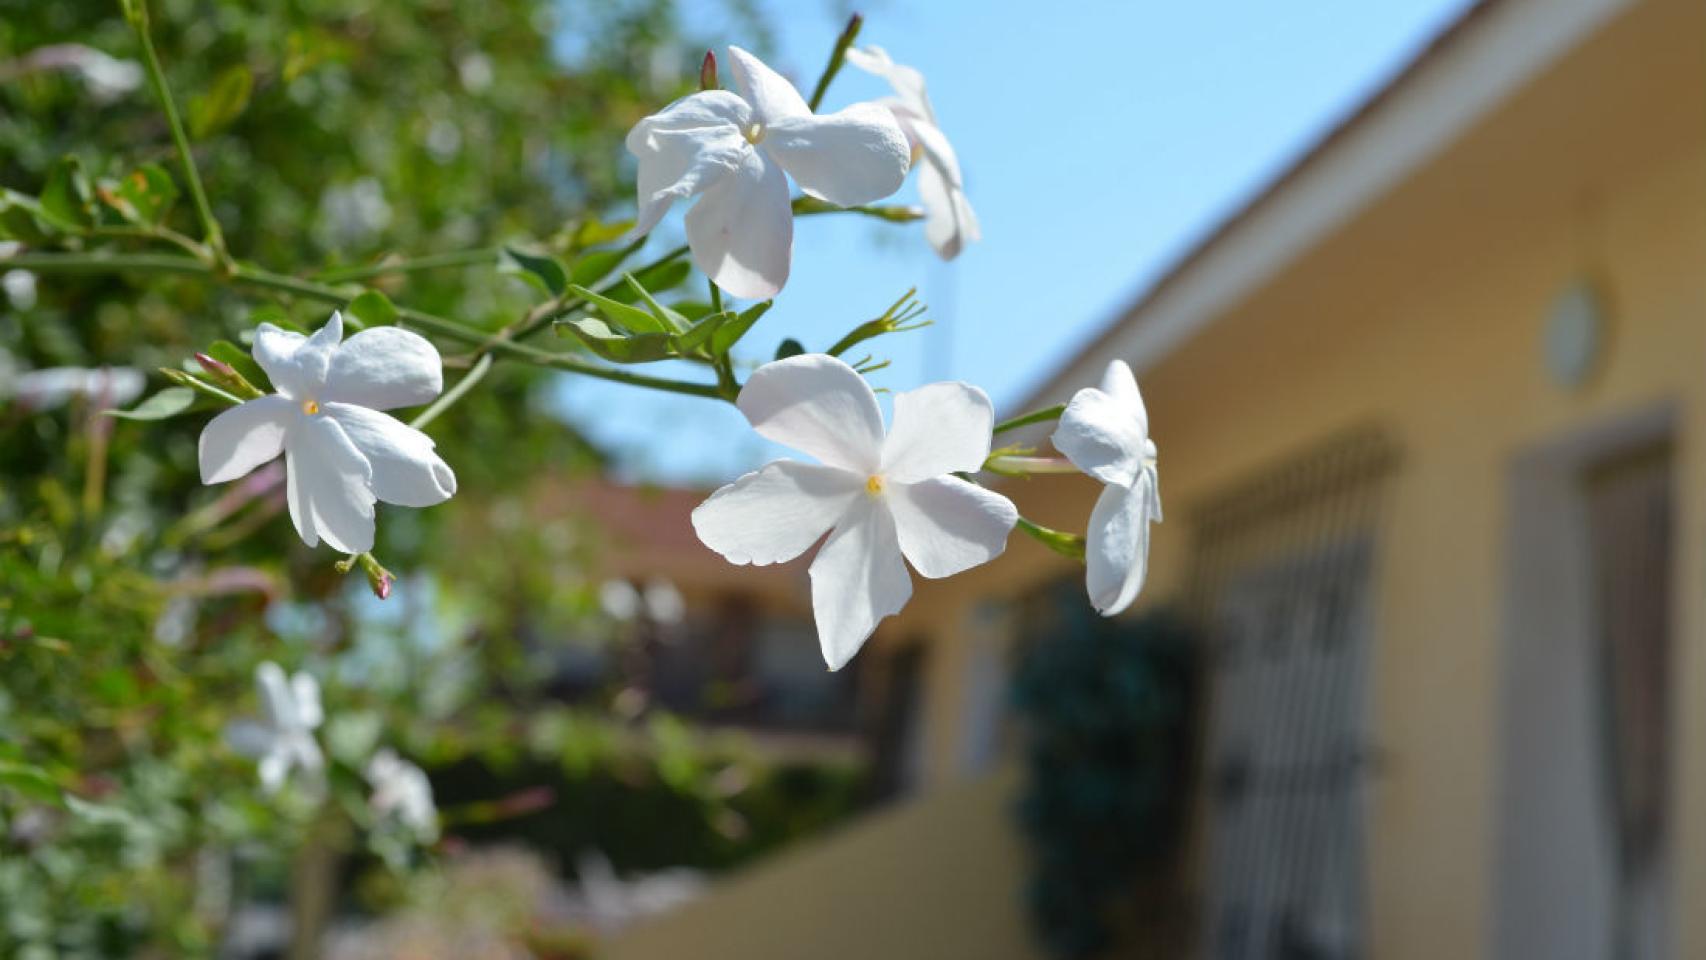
x=378, y=578
x=708, y=72
x=227, y=377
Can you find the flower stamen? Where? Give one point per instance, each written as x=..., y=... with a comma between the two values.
x=754, y=133
x=874, y=485
x=310, y=407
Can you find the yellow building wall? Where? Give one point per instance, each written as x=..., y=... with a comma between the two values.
x=1424, y=315
x=932, y=878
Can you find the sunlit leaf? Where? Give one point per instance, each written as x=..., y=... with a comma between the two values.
x=68, y=199
x=168, y=403
x=700, y=332
x=370, y=308
x=614, y=345
x=624, y=316
x=225, y=100
x=730, y=333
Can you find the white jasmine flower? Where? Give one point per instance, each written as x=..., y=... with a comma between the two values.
x=664, y=603
x=879, y=497
x=1105, y=432
x=340, y=453
x=949, y=221
x=19, y=287
x=401, y=790
x=283, y=738
x=737, y=150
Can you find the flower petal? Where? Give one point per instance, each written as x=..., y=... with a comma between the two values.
x=383, y=368
x=938, y=428
x=278, y=702
x=305, y=692
x=406, y=470
x=1098, y=433
x=772, y=97
x=243, y=437
x=817, y=405
x=1116, y=554
x=853, y=156
x=275, y=766
x=947, y=525
x=685, y=148
x=858, y=578
x=328, y=485
x=249, y=738
x=742, y=229
x=773, y=515
x=1119, y=383
x=949, y=223
x=295, y=364
x=906, y=81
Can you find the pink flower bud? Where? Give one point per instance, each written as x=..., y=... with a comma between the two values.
x=217, y=368
x=708, y=72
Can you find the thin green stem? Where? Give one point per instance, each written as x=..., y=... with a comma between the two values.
x=165, y=234
x=137, y=12
x=431, y=261
x=252, y=276
x=837, y=56
x=1025, y=420
x=455, y=393
x=103, y=262
x=716, y=295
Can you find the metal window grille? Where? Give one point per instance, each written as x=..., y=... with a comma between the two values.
x=1283, y=589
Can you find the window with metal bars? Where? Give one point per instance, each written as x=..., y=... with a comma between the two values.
x=1283, y=588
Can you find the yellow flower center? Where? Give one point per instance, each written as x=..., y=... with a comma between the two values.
x=310, y=407
x=754, y=133
x=874, y=485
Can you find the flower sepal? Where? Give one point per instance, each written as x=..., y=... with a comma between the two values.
x=378, y=578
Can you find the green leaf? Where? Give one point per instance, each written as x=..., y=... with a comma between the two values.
x=669, y=318
x=536, y=268
x=223, y=102
x=32, y=782
x=592, y=232
x=21, y=219
x=370, y=308
x=701, y=331
x=240, y=360
x=730, y=333
x=168, y=403
x=144, y=196
x=269, y=313
x=664, y=276
x=790, y=348
x=612, y=345
x=598, y=264
x=692, y=309
x=621, y=314
x=67, y=200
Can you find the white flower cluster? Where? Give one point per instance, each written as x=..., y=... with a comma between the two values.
x=282, y=741
x=886, y=497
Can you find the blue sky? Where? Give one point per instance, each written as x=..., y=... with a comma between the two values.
x=1099, y=143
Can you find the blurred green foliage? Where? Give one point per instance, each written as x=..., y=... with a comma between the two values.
x=1106, y=711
